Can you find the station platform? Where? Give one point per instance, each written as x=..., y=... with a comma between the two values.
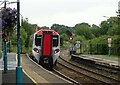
x=40, y=74
x=10, y=77
x=102, y=59
x=32, y=73
x=99, y=59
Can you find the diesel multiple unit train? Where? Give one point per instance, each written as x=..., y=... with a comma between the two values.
x=46, y=47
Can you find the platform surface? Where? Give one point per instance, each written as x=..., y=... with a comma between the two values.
x=10, y=76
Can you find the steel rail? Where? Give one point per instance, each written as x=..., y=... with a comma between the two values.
x=94, y=73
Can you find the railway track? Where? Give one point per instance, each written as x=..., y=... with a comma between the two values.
x=88, y=73
x=66, y=77
x=73, y=82
x=101, y=69
x=101, y=66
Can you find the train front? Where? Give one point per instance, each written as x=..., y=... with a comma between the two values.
x=46, y=47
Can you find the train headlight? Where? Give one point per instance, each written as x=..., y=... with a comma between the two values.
x=36, y=50
x=56, y=51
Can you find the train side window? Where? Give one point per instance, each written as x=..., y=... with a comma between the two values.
x=38, y=40
x=55, y=40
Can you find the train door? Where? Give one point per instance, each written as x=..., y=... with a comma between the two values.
x=46, y=56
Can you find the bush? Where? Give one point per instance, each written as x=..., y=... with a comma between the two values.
x=100, y=45
x=9, y=19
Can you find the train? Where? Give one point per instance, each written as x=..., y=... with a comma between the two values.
x=46, y=47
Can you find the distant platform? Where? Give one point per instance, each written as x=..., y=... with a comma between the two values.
x=114, y=62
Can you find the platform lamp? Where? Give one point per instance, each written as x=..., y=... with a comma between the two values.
x=5, y=47
x=19, y=67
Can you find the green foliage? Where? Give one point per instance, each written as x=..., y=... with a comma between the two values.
x=44, y=27
x=62, y=29
x=64, y=37
x=101, y=44
x=104, y=26
x=93, y=38
x=83, y=29
x=29, y=30
x=9, y=19
x=23, y=37
x=110, y=27
x=66, y=44
x=95, y=30
x=78, y=38
x=14, y=39
x=115, y=26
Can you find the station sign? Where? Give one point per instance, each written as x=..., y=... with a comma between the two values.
x=78, y=42
x=109, y=42
x=77, y=45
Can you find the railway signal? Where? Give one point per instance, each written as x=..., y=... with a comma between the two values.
x=70, y=38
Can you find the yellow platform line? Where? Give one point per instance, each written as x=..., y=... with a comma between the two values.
x=26, y=72
x=29, y=76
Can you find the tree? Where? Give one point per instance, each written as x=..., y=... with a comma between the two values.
x=104, y=26
x=114, y=26
x=110, y=26
x=83, y=29
x=78, y=38
x=23, y=38
x=95, y=30
x=9, y=19
x=64, y=37
x=62, y=29
x=29, y=30
x=44, y=27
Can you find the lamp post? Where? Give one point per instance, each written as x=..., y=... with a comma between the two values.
x=19, y=67
x=5, y=47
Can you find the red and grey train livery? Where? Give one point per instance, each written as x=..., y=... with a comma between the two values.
x=46, y=47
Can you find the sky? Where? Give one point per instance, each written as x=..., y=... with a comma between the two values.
x=67, y=12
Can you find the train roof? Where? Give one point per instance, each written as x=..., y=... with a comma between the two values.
x=39, y=32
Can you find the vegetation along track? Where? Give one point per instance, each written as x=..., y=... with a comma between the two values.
x=83, y=75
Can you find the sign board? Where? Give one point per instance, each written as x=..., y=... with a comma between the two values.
x=78, y=42
x=72, y=48
x=77, y=45
x=109, y=42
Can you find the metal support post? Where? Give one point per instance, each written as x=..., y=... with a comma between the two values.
x=19, y=67
x=5, y=48
x=109, y=51
x=5, y=57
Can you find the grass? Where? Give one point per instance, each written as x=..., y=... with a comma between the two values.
x=111, y=56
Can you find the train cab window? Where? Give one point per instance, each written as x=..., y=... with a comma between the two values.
x=38, y=40
x=55, y=40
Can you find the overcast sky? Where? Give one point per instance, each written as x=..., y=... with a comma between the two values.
x=67, y=12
